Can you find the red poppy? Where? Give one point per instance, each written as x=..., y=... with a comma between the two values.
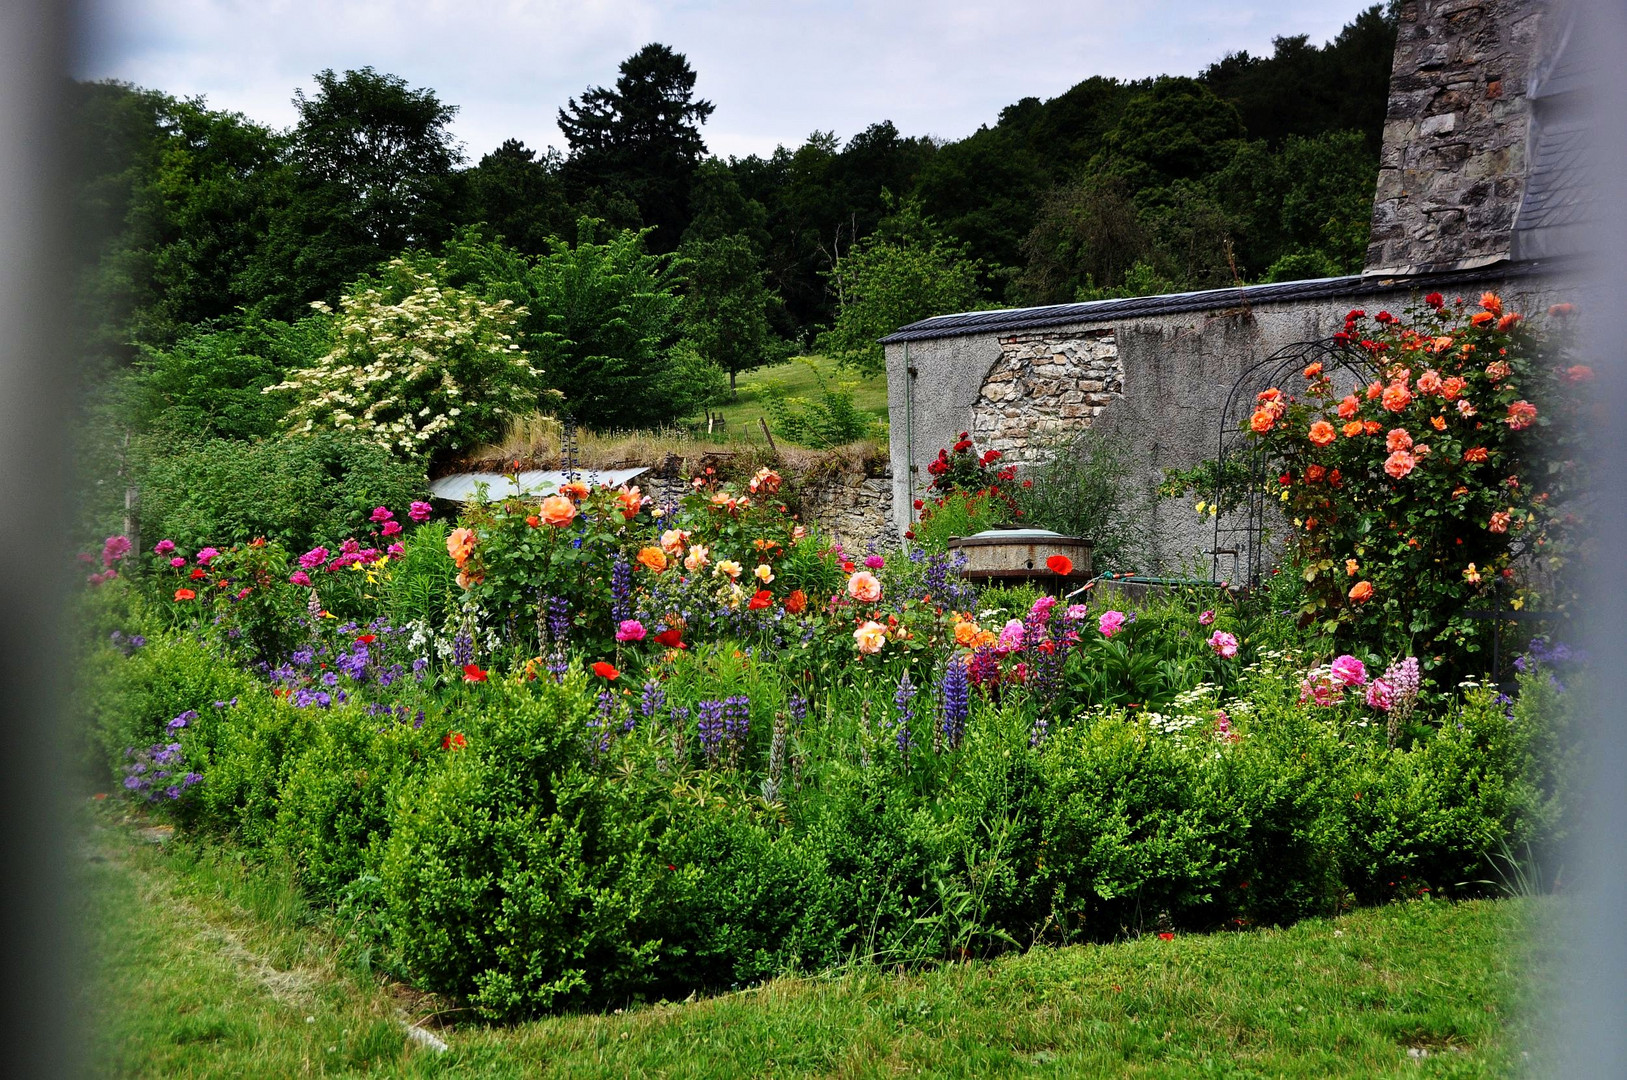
x=672, y=638
x=760, y=599
x=198, y=573
x=454, y=741
x=1059, y=564
x=606, y=671
x=367, y=639
x=472, y=673
x=184, y=594
x=1166, y=936
x=847, y=568
x=797, y=602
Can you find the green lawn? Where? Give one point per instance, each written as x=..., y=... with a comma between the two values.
x=869, y=392
x=209, y=967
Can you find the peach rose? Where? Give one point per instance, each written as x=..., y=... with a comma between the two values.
x=864, y=587
x=870, y=637
x=1397, y=439
x=1349, y=406
x=1353, y=429
x=1399, y=464
x=574, y=489
x=698, y=557
x=673, y=541
x=1322, y=433
x=1429, y=382
x=1396, y=397
x=557, y=510
x=1361, y=592
x=1521, y=415
x=1499, y=521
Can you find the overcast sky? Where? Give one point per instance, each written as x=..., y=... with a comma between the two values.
x=776, y=69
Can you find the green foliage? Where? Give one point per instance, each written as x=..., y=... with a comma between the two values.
x=1082, y=488
x=727, y=307
x=298, y=490
x=512, y=872
x=961, y=515
x=905, y=272
x=211, y=383
x=518, y=196
x=830, y=420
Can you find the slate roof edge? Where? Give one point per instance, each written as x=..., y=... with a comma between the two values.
x=1355, y=286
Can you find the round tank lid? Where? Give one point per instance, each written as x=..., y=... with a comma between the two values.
x=1017, y=536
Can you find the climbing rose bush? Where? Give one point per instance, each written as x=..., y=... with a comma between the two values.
x=1441, y=475
x=416, y=366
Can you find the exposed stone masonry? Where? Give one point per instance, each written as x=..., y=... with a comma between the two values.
x=1044, y=385
x=1453, y=165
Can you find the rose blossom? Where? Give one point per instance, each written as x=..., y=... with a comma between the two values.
x=1110, y=623
x=1349, y=671
x=864, y=587
x=870, y=637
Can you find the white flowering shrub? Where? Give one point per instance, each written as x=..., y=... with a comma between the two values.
x=416, y=365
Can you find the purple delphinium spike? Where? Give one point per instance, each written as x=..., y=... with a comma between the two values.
x=621, y=590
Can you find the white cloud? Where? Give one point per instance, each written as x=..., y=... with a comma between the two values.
x=775, y=71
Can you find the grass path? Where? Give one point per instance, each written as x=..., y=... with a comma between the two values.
x=211, y=967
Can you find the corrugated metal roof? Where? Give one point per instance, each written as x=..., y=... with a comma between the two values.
x=1011, y=320
x=460, y=487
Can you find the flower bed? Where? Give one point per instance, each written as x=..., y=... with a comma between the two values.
x=585, y=748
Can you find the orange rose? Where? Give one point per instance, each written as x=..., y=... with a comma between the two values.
x=1396, y=397
x=1351, y=567
x=653, y=558
x=1429, y=382
x=1371, y=427
x=1577, y=373
x=558, y=511
x=1499, y=521
x=673, y=541
x=574, y=489
x=1397, y=439
x=1509, y=321
x=1521, y=415
x=1438, y=423
x=1353, y=429
x=1361, y=592
x=1452, y=387
x=1322, y=433
x=1262, y=421
x=184, y=594
x=1491, y=303
x=1497, y=370
x=797, y=602
x=631, y=501
x=460, y=544
x=1475, y=453
x=1270, y=394
x=1481, y=318
x=1313, y=370
x=1374, y=389
x=966, y=634
x=1349, y=407
x=1314, y=473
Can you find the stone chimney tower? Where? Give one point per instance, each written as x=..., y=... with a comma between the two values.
x=1452, y=171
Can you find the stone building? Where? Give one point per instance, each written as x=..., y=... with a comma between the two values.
x=1476, y=191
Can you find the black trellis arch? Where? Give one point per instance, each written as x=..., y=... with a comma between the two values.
x=1240, y=462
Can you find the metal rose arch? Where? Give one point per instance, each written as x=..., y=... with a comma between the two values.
x=1240, y=490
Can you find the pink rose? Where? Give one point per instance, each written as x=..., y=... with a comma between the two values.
x=1224, y=644
x=1110, y=623
x=420, y=511
x=1349, y=671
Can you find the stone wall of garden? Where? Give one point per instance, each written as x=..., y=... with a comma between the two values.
x=848, y=505
x=1043, y=386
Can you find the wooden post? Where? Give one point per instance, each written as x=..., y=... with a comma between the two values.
x=767, y=435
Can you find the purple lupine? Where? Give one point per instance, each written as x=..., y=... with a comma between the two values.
x=463, y=649
x=709, y=725
x=903, y=713
x=621, y=590
x=737, y=719
x=797, y=706
x=559, y=619
x=652, y=699
x=955, y=697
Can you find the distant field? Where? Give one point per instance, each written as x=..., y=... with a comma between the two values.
x=869, y=394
